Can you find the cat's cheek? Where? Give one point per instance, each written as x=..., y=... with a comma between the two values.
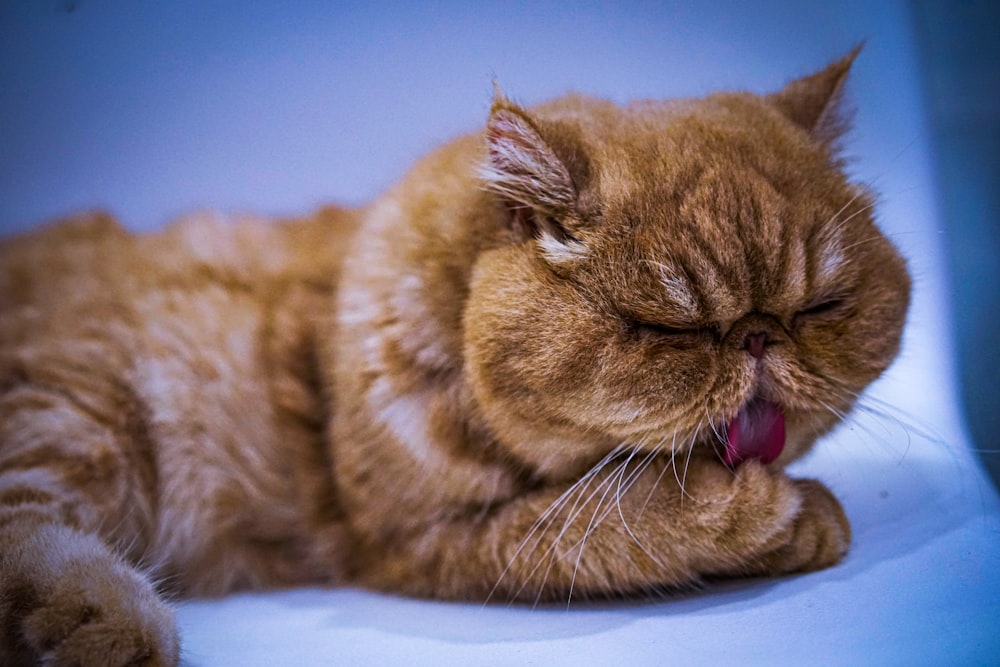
x=867, y=341
x=678, y=378
x=529, y=330
x=646, y=391
x=530, y=355
x=854, y=352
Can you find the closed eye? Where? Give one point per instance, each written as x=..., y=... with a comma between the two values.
x=679, y=337
x=824, y=309
x=825, y=306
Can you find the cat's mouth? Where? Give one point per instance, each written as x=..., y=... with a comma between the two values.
x=756, y=432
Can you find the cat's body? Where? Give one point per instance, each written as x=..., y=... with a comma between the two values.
x=556, y=360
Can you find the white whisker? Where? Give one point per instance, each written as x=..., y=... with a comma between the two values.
x=641, y=468
x=659, y=477
x=581, y=545
x=548, y=515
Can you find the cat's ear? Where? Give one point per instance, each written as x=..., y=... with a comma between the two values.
x=522, y=168
x=814, y=102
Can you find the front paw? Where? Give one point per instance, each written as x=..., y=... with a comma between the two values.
x=818, y=537
x=763, y=523
x=86, y=610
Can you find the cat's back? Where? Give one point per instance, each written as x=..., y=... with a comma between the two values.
x=86, y=265
x=58, y=264
x=199, y=340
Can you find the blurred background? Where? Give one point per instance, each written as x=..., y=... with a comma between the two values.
x=155, y=109
x=959, y=52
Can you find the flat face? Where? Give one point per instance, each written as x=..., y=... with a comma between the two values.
x=715, y=259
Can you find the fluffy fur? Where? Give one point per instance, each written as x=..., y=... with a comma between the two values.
x=530, y=371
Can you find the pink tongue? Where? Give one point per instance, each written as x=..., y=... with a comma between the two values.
x=757, y=432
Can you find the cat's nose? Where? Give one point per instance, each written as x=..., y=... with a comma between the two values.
x=754, y=343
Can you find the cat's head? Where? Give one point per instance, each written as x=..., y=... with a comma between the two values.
x=682, y=274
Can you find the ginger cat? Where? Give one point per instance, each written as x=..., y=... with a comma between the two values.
x=566, y=357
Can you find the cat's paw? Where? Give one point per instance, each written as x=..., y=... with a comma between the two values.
x=818, y=538
x=110, y=619
x=87, y=610
x=746, y=511
x=764, y=523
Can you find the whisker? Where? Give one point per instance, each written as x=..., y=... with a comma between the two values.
x=840, y=223
x=904, y=419
x=860, y=193
x=659, y=477
x=593, y=524
x=884, y=439
x=643, y=466
x=862, y=242
x=687, y=465
x=720, y=438
x=625, y=480
x=547, y=516
x=673, y=463
x=551, y=553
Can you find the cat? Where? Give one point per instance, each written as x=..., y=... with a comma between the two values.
x=565, y=357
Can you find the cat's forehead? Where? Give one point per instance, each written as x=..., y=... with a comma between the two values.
x=713, y=207
x=669, y=143
x=721, y=236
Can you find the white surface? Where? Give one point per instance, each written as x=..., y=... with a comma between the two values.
x=155, y=110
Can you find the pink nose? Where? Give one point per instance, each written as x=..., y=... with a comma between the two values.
x=754, y=344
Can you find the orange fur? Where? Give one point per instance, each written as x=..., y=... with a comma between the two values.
x=507, y=377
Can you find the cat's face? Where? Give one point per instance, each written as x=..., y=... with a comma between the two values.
x=696, y=276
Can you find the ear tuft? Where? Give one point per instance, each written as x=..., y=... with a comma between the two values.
x=814, y=102
x=520, y=165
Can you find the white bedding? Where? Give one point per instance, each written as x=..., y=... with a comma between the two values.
x=155, y=109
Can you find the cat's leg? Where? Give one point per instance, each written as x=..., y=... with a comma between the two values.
x=626, y=530
x=73, y=482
